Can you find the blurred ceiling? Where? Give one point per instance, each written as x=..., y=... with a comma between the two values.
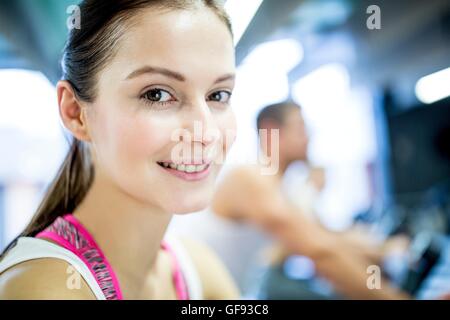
x=32, y=34
x=414, y=39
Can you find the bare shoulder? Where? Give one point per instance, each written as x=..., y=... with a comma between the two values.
x=216, y=280
x=243, y=191
x=246, y=173
x=243, y=182
x=251, y=179
x=43, y=279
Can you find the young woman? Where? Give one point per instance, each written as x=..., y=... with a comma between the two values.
x=140, y=77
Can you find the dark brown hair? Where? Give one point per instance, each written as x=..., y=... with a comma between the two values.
x=87, y=52
x=275, y=112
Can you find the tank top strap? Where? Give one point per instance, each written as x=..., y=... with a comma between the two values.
x=178, y=277
x=31, y=248
x=68, y=232
x=186, y=278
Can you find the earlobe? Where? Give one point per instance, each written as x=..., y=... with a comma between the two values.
x=71, y=111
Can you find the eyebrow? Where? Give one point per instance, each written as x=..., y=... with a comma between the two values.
x=171, y=74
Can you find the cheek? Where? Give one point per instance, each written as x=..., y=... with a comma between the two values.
x=127, y=142
x=141, y=139
x=227, y=127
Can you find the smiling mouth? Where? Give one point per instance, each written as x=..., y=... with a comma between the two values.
x=188, y=172
x=187, y=168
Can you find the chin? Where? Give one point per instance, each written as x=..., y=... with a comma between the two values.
x=188, y=209
x=188, y=205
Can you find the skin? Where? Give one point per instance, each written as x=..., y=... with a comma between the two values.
x=293, y=139
x=247, y=195
x=132, y=199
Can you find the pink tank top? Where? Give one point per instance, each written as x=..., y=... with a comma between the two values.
x=69, y=233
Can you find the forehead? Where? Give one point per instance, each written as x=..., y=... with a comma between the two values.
x=293, y=116
x=188, y=41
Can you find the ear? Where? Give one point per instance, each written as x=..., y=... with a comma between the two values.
x=71, y=111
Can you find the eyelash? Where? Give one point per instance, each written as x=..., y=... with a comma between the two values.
x=147, y=101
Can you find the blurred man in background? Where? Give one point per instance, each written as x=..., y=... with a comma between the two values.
x=247, y=194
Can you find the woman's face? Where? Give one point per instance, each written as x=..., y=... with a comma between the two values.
x=167, y=89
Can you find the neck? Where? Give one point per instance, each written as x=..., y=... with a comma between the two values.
x=283, y=165
x=283, y=162
x=128, y=232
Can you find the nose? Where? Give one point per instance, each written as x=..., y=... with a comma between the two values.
x=204, y=133
x=202, y=124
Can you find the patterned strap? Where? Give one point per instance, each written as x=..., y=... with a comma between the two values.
x=68, y=232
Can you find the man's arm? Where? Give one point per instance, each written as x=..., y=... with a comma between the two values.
x=247, y=195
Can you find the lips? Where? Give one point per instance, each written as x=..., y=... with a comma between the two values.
x=189, y=168
x=189, y=172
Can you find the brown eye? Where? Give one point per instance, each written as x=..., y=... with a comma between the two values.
x=220, y=96
x=157, y=95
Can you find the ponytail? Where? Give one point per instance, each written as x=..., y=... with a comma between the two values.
x=66, y=191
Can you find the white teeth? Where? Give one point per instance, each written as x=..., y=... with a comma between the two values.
x=189, y=168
